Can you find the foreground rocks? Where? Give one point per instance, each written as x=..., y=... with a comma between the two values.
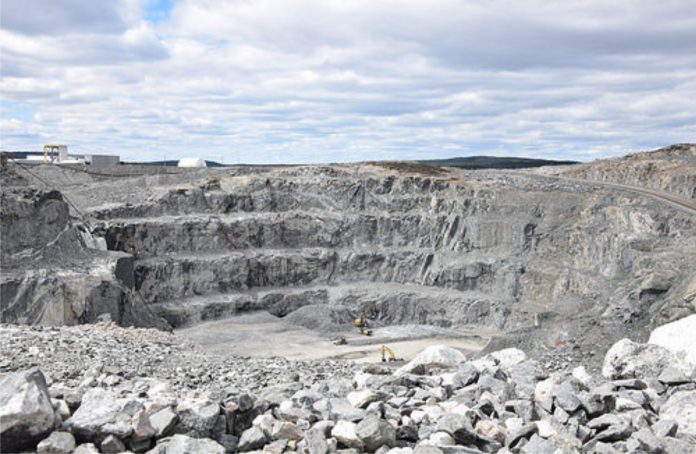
x=503, y=402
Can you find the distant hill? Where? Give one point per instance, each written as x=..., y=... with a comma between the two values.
x=493, y=162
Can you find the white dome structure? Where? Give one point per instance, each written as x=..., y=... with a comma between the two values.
x=191, y=162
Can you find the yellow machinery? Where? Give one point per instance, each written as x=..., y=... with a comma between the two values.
x=388, y=354
x=362, y=322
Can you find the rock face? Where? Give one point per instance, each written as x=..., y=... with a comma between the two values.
x=54, y=271
x=670, y=169
x=26, y=412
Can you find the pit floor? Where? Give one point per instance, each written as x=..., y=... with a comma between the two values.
x=261, y=334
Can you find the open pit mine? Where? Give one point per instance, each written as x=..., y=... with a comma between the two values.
x=387, y=307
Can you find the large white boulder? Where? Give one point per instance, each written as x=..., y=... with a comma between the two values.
x=678, y=337
x=628, y=359
x=103, y=413
x=435, y=356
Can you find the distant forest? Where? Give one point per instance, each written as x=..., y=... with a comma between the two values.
x=493, y=162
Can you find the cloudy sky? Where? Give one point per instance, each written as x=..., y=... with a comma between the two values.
x=333, y=80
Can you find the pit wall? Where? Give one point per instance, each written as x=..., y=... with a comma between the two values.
x=458, y=253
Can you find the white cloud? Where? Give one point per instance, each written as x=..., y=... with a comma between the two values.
x=312, y=80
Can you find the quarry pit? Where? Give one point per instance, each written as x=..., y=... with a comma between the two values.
x=281, y=260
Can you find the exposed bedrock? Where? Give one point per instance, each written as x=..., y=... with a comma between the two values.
x=501, y=251
x=54, y=272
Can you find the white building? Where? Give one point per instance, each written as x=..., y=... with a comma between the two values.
x=191, y=162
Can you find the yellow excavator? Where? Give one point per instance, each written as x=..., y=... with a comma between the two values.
x=362, y=322
x=388, y=354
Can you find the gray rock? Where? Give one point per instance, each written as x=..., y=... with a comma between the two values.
x=407, y=433
x=628, y=359
x=363, y=398
x=522, y=408
x=514, y=436
x=565, y=398
x=86, y=448
x=466, y=374
x=460, y=428
x=648, y=441
x=509, y=357
x=345, y=432
x=340, y=409
x=142, y=428
x=287, y=430
x=163, y=421
x=375, y=432
x=198, y=416
x=316, y=442
x=101, y=414
x=673, y=376
x=182, y=444
x=665, y=428
x=538, y=445
x=427, y=449
x=57, y=443
x=681, y=407
x=610, y=427
x=440, y=356
x=252, y=439
x=26, y=412
x=228, y=441
x=112, y=445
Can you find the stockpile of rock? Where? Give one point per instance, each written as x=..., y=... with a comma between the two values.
x=438, y=403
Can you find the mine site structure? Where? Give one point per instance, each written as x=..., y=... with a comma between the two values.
x=55, y=153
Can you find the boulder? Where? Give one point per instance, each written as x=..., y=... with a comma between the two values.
x=340, y=409
x=101, y=414
x=112, y=445
x=628, y=359
x=252, y=439
x=316, y=442
x=460, y=428
x=142, y=427
x=435, y=356
x=681, y=407
x=198, y=416
x=679, y=337
x=26, y=412
x=490, y=429
x=163, y=421
x=375, y=432
x=538, y=445
x=57, y=443
x=345, y=432
x=286, y=430
x=362, y=398
x=508, y=357
x=86, y=448
x=182, y=444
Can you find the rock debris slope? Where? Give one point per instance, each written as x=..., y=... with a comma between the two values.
x=441, y=402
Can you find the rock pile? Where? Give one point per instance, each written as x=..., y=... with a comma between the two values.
x=503, y=402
